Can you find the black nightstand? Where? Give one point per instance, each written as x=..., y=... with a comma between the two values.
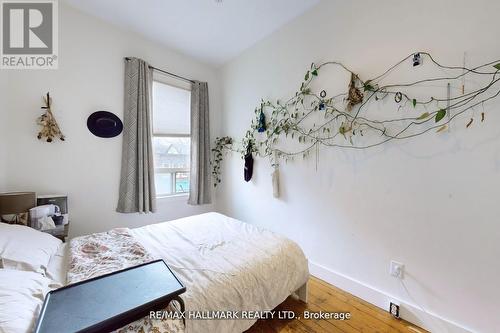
x=60, y=231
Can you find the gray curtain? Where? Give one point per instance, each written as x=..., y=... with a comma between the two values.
x=199, y=188
x=137, y=187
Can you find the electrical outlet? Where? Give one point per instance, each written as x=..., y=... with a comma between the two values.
x=394, y=310
x=397, y=269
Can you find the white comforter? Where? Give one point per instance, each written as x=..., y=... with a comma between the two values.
x=226, y=265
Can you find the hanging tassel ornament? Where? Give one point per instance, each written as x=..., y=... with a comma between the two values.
x=261, y=127
x=276, y=182
x=276, y=177
x=354, y=94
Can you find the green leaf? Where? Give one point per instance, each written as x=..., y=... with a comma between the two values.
x=368, y=87
x=440, y=115
x=423, y=116
x=442, y=128
x=315, y=72
x=414, y=101
x=497, y=66
x=307, y=76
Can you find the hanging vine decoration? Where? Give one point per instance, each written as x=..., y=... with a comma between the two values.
x=221, y=144
x=342, y=121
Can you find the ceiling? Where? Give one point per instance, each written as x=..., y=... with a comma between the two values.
x=211, y=31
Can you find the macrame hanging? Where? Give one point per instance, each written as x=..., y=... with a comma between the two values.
x=276, y=177
x=276, y=182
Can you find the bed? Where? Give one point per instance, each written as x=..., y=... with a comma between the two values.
x=225, y=265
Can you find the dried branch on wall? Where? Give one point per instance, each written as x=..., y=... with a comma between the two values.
x=50, y=128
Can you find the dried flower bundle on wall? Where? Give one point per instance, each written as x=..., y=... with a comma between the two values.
x=50, y=128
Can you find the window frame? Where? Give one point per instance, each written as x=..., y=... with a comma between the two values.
x=176, y=83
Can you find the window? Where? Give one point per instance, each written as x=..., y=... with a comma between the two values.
x=171, y=137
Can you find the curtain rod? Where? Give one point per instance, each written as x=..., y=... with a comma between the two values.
x=165, y=72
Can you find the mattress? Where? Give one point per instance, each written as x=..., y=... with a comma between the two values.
x=226, y=265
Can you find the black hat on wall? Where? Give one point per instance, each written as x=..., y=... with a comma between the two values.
x=104, y=124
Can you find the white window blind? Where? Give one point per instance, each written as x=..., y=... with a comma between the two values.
x=171, y=110
x=171, y=137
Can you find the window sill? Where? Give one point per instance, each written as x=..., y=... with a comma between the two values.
x=173, y=197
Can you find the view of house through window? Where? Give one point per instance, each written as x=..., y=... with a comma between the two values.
x=171, y=138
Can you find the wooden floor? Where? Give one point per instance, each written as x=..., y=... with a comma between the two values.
x=365, y=317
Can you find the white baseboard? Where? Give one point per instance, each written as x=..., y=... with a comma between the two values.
x=408, y=311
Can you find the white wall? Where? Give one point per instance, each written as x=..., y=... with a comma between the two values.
x=89, y=78
x=3, y=126
x=431, y=203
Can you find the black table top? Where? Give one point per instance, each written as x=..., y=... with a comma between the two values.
x=110, y=301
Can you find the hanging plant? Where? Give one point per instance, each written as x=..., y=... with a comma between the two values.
x=221, y=144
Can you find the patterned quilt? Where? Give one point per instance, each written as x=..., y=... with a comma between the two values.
x=102, y=253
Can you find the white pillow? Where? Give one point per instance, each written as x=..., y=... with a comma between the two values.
x=21, y=299
x=24, y=248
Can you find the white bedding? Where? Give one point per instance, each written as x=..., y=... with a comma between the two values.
x=58, y=265
x=21, y=298
x=226, y=265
